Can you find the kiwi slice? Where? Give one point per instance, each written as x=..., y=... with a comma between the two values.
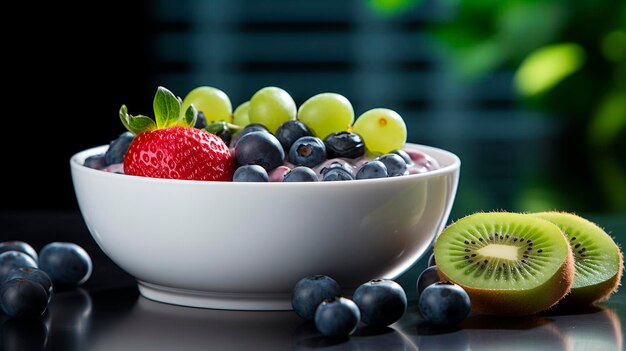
x=597, y=259
x=509, y=263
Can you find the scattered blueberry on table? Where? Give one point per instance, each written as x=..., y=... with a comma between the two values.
x=444, y=303
x=66, y=263
x=18, y=246
x=382, y=302
x=27, y=279
x=337, y=317
x=14, y=259
x=428, y=277
x=377, y=303
x=23, y=298
x=310, y=291
x=34, y=274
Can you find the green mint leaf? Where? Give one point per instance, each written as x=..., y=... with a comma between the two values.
x=190, y=116
x=136, y=124
x=167, y=108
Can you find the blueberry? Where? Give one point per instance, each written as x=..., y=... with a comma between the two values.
x=118, y=147
x=307, y=151
x=250, y=173
x=253, y=127
x=291, y=131
x=344, y=144
x=66, y=263
x=23, y=298
x=18, y=246
x=259, y=148
x=14, y=259
x=95, y=161
x=428, y=277
x=395, y=164
x=444, y=303
x=337, y=317
x=371, y=170
x=226, y=136
x=34, y=274
x=337, y=174
x=310, y=291
x=200, y=121
x=336, y=164
x=381, y=302
x=300, y=174
x=407, y=159
x=431, y=260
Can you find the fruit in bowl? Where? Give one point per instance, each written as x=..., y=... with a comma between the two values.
x=195, y=238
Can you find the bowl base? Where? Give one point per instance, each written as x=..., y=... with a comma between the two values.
x=214, y=300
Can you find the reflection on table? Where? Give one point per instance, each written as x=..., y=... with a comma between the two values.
x=120, y=319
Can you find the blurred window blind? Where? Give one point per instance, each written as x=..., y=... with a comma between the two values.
x=307, y=47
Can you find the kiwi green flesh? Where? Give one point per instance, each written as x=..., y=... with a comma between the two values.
x=501, y=251
x=596, y=256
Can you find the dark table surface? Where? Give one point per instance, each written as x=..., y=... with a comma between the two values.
x=107, y=313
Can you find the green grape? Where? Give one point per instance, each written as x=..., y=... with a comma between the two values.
x=212, y=102
x=271, y=107
x=326, y=113
x=240, y=116
x=382, y=130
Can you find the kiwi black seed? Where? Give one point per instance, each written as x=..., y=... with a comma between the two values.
x=510, y=264
x=500, y=239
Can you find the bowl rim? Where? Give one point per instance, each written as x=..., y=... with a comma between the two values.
x=76, y=164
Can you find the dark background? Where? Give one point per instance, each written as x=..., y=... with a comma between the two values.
x=69, y=68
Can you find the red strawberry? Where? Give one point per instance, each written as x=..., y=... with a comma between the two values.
x=171, y=148
x=179, y=153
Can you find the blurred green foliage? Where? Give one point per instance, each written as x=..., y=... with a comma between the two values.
x=570, y=60
x=391, y=7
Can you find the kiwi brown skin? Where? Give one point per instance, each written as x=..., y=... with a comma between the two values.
x=591, y=294
x=520, y=303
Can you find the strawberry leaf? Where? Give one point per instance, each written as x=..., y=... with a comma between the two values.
x=190, y=116
x=136, y=124
x=167, y=108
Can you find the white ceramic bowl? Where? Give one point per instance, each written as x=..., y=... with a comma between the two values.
x=244, y=245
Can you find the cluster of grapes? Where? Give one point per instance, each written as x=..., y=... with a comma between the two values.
x=382, y=130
